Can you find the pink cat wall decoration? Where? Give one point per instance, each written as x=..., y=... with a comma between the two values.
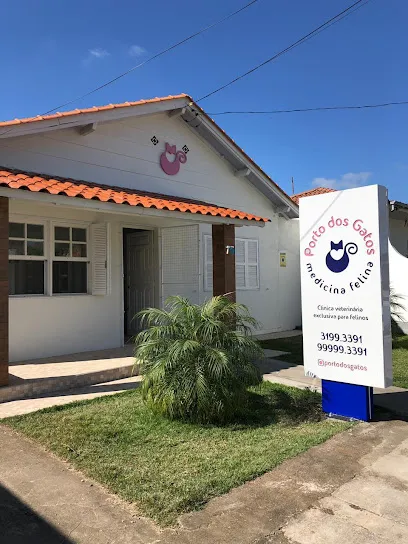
x=171, y=168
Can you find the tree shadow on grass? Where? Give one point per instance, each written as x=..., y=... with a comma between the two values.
x=276, y=405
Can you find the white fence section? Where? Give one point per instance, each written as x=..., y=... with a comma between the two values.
x=399, y=284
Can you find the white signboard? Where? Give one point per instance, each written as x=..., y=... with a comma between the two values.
x=345, y=286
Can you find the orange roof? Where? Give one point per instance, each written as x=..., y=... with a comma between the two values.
x=15, y=179
x=58, y=115
x=312, y=192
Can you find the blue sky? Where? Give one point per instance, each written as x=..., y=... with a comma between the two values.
x=55, y=51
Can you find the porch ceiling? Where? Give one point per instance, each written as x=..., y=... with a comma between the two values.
x=36, y=183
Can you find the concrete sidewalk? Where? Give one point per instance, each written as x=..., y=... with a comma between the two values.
x=353, y=488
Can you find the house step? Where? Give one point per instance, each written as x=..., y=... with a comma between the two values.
x=37, y=387
x=59, y=398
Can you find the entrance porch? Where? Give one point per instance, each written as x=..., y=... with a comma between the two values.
x=51, y=317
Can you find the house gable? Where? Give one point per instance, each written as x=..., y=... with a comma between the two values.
x=127, y=153
x=107, y=141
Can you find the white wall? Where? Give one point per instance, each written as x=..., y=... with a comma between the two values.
x=399, y=284
x=398, y=252
x=276, y=304
x=121, y=154
x=288, y=287
x=399, y=234
x=43, y=326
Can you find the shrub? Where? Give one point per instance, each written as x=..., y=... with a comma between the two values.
x=197, y=360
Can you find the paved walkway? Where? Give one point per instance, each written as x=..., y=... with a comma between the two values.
x=393, y=399
x=353, y=488
x=276, y=335
x=71, y=365
x=24, y=406
x=74, y=366
x=40, y=377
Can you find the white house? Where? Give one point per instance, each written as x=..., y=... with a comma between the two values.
x=107, y=210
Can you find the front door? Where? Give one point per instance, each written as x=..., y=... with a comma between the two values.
x=139, y=277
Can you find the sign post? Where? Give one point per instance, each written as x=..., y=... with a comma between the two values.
x=345, y=297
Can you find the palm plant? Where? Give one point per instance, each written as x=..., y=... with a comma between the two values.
x=397, y=308
x=396, y=305
x=197, y=360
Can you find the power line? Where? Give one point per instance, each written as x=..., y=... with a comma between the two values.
x=333, y=20
x=323, y=108
x=163, y=52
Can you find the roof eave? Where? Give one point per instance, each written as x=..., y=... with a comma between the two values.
x=229, y=150
x=396, y=205
x=97, y=116
x=123, y=209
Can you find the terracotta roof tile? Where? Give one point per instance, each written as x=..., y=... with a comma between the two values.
x=15, y=179
x=312, y=192
x=93, y=109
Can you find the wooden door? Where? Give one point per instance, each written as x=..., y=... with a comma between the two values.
x=139, y=277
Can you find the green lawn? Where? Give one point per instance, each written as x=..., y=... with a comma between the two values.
x=295, y=346
x=168, y=467
x=400, y=361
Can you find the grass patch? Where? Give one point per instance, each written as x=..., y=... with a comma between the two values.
x=400, y=360
x=169, y=467
x=294, y=344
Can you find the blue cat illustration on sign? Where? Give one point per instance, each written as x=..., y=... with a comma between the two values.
x=339, y=265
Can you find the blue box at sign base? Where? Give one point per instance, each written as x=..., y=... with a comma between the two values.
x=347, y=400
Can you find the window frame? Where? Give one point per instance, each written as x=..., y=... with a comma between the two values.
x=49, y=225
x=246, y=264
x=27, y=220
x=26, y=257
x=71, y=225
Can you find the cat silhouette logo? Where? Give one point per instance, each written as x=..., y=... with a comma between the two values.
x=339, y=264
x=171, y=168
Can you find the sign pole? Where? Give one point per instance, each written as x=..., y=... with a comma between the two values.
x=346, y=297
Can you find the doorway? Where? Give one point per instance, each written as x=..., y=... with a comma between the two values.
x=139, y=276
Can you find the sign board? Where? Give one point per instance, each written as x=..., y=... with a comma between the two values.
x=282, y=259
x=345, y=286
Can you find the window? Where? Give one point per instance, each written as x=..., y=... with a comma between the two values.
x=70, y=260
x=26, y=259
x=246, y=264
x=48, y=259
